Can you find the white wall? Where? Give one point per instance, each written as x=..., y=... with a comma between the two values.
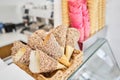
x=9, y=14
x=113, y=23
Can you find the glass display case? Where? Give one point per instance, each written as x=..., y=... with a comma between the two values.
x=98, y=63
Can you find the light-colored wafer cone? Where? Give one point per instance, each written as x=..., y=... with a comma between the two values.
x=16, y=46
x=93, y=12
x=41, y=33
x=53, y=49
x=100, y=13
x=36, y=39
x=69, y=51
x=19, y=54
x=60, y=66
x=22, y=55
x=40, y=62
x=60, y=35
x=64, y=61
x=35, y=42
x=73, y=36
x=34, y=65
x=65, y=16
x=103, y=12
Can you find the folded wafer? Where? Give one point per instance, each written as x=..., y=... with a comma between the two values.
x=53, y=49
x=60, y=35
x=40, y=62
x=73, y=36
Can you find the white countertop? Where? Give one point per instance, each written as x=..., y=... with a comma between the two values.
x=9, y=38
x=13, y=72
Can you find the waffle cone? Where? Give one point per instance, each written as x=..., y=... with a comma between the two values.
x=65, y=16
x=53, y=49
x=60, y=34
x=64, y=61
x=22, y=55
x=72, y=38
x=40, y=62
x=35, y=42
x=16, y=46
x=69, y=51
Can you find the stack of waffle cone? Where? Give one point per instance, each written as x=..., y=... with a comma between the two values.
x=36, y=39
x=96, y=10
x=93, y=13
x=71, y=40
x=53, y=49
x=41, y=62
x=101, y=14
x=60, y=35
x=104, y=12
x=65, y=16
x=59, y=74
x=46, y=54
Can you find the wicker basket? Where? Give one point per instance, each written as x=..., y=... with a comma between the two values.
x=76, y=61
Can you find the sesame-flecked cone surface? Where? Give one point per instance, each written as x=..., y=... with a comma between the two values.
x=36, y=39
x=51, y=47
x=22, y=55
x=16, y=46
x=60, y=74
x=41, y=33
x=72, y=37
x=65, y=74
x=46, y=63
x=60, y=34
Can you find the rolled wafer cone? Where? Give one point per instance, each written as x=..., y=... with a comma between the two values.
x=36, y=39
x=19, y=54
x=69, y=51
x=93, y=12
x=60, y=35
x=16, y=46
x=64, y=61
x=34, y=62
x=41, y=33
x=53, y=49
x=103, y=12
x=73, y=36
x=22, y=55
x=40, y=62
x=65, y=16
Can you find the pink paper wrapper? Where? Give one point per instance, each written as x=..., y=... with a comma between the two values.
x=86, y=22
x=75, y=10
x=75, y=3
x=79, y=17
x=76, y=18
x=86, y=29
x=77, y=25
